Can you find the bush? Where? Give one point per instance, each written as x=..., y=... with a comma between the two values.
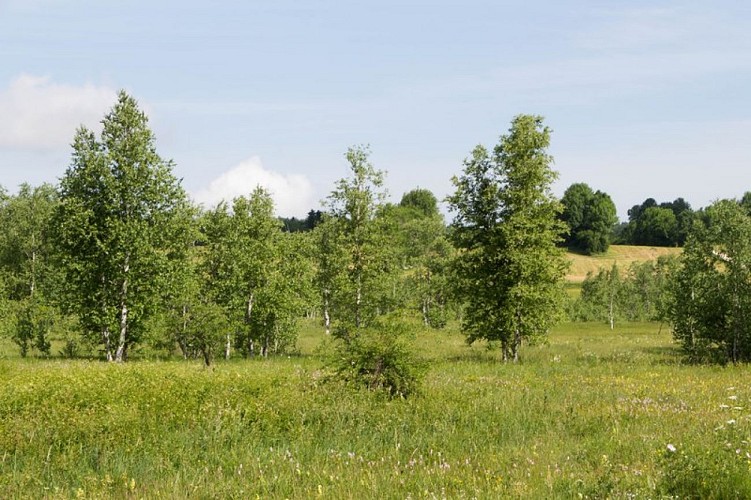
x=379, y=358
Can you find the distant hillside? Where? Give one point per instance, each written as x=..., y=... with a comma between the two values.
x=623, y=255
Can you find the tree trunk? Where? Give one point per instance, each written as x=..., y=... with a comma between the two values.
x=517, y=336
x=358, y=300
x=107, y=345
x=248, y=315
x=32, y=286
x=228, y=347
x=326, y=317
x=122, y=341
x=181, y=336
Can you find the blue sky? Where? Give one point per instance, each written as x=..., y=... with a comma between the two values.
x=644, y=98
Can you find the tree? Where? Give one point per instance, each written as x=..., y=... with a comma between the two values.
x=666, y=224
x=353, y=206
x=507, y=229
x=122, y=227
x=422, y=201
x=745, y=202
x=711, y=293
x=656, y=226
x=590, y=216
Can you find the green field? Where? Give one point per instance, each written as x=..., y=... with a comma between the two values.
x=592, y=414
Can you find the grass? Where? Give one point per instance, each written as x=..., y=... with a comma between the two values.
x=589, y=414
x=623, y=255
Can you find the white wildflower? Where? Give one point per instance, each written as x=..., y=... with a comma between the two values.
x=671, y=448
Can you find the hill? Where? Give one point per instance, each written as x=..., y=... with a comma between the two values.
x=623, y=255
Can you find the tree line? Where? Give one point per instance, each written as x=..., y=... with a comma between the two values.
x=117, y=259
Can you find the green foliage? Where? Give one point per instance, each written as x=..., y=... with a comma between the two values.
x=206, y=327
x=26, y=242
x=422, y=201
x=420, y=244
x=666, y=224
x=34, y=321
x=510, y=268
x=603, y=296
x=711, y=294
x=641, y=294
x=255, y=272
x=590, y=217
x=379, y=357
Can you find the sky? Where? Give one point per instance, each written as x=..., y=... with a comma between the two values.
x=644, y=98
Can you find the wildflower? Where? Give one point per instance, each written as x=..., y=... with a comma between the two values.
x=732, y=398
x=731, y=421
x=671, y=448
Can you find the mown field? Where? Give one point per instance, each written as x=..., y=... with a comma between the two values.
x=623, y=255
x=592, y=414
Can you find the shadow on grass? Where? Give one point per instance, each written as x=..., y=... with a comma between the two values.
x=664, y=355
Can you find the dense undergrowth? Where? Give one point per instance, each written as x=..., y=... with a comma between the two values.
x=593, y=413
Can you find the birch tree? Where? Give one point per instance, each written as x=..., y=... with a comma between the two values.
x=353, y=230
x=507, y=229
x=711, y=305
x=122, y=226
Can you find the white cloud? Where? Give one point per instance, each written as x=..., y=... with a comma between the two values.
x=292, y=193
x=38, y=114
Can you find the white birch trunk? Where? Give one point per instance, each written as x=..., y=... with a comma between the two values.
x=358, y=300
x=107, y=345
x=120, y=354
x=326, y=317
x=248, y=315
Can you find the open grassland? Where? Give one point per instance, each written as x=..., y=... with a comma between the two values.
x=592, y=414
x=623, y=255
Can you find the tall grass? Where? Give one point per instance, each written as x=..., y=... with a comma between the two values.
x=591, y=413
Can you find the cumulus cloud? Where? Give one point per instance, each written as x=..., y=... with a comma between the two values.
x=292, y=193
x=38, y=114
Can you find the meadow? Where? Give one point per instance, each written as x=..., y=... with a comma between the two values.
x=593, y=413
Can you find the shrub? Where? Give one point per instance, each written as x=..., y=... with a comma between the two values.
x=379, y=358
